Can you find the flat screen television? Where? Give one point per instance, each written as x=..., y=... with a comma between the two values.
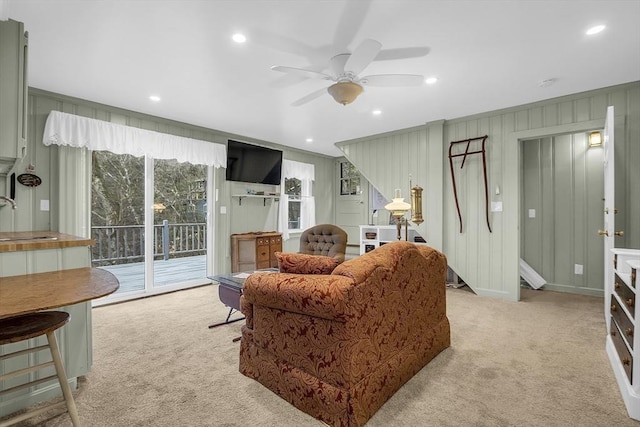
x=253, y=163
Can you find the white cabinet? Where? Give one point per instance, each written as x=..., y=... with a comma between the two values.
x=373, y=236
x=13, y=87
x=623, y=339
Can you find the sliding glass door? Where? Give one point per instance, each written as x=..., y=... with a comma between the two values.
x=179, y=223
x=117, y=218
x=150, y=223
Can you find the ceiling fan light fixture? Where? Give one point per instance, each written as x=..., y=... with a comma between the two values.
x=344, y=92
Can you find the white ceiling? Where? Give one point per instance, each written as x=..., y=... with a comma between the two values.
x=486, y=55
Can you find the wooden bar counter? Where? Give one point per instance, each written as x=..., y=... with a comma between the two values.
x=42, y=291
x=35, y=240
x=42, y=270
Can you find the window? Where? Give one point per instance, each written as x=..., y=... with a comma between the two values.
x=349, y=179
x=297, y=210
x=293, y=188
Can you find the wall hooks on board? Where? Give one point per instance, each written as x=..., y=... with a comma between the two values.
x=464, y=155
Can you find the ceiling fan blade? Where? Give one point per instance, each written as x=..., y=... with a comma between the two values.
x=402, y=53
x=310, y=97
x=338, y=62
x=351, y=19
x=362, y=56
x=302, y=72
x=391, y=80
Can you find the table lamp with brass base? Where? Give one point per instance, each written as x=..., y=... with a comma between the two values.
x=398, y=208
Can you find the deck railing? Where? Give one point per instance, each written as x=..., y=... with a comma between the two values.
x=122, y=244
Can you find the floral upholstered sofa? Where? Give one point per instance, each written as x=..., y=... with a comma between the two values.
x=339, y=345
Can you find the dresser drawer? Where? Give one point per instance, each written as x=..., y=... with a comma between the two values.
x=623, y=352
x=254, y=250
x=625, y=325
x=627, y=296
x=263, y=264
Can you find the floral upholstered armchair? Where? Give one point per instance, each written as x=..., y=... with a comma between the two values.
x=339, y=345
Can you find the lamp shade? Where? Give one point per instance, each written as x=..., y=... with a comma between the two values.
x=398, y=206
x=344, y=92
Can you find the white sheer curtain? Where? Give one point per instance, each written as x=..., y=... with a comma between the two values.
x=283, y=214
x=76, y=131
x=305, y=172
x=74, y=186
x=78, y=136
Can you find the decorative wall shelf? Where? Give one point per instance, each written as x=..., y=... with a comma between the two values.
x=264, y=197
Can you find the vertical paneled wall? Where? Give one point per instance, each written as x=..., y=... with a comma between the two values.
x=473, y=253
x=390, y=161
x=561, y=207
x=250, y=217
x=488, y=262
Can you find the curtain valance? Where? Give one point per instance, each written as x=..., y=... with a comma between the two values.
x=301, y=171
x=76, y=131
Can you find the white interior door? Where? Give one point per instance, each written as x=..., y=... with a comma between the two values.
x=608, y=232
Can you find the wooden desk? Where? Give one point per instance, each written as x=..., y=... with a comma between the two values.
x=42, y=291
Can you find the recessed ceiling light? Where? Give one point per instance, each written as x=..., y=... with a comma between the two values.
x=154, y=98
x=376, y=112
x=431, y=80
x=595, y=30
x=309, y=140
x=239, y=38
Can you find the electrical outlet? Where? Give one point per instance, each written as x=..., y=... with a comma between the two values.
x=578, y=269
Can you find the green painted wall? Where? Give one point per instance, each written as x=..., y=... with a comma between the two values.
x=489, y=262
x=251, y=216
x=562, y=188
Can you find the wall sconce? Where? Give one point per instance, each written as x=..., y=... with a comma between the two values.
x=595, y=139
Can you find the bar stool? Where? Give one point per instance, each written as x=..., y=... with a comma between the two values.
x=24, y=327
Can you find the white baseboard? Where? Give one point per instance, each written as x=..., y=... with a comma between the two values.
x=532, y=277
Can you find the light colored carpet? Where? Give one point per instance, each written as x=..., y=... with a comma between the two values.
x=538, y=362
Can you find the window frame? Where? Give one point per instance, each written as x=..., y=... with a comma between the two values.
x=352, y=178
x=294, y=198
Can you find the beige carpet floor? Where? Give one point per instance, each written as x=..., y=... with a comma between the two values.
x=537, y=362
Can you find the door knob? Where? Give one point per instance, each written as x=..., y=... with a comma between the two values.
x=603, y=233
x=619, y=233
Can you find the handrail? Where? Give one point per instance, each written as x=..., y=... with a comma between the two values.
x=122, y=244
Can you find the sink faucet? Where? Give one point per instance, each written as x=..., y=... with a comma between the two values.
x=10, y=200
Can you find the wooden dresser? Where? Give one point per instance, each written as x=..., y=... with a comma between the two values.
x=623, y=319
x=253, y=251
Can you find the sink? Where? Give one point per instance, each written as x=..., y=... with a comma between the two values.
x=16, y=239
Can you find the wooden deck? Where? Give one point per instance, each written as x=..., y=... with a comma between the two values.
x=169, y=272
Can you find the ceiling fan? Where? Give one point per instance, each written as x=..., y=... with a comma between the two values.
x=345, y=69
